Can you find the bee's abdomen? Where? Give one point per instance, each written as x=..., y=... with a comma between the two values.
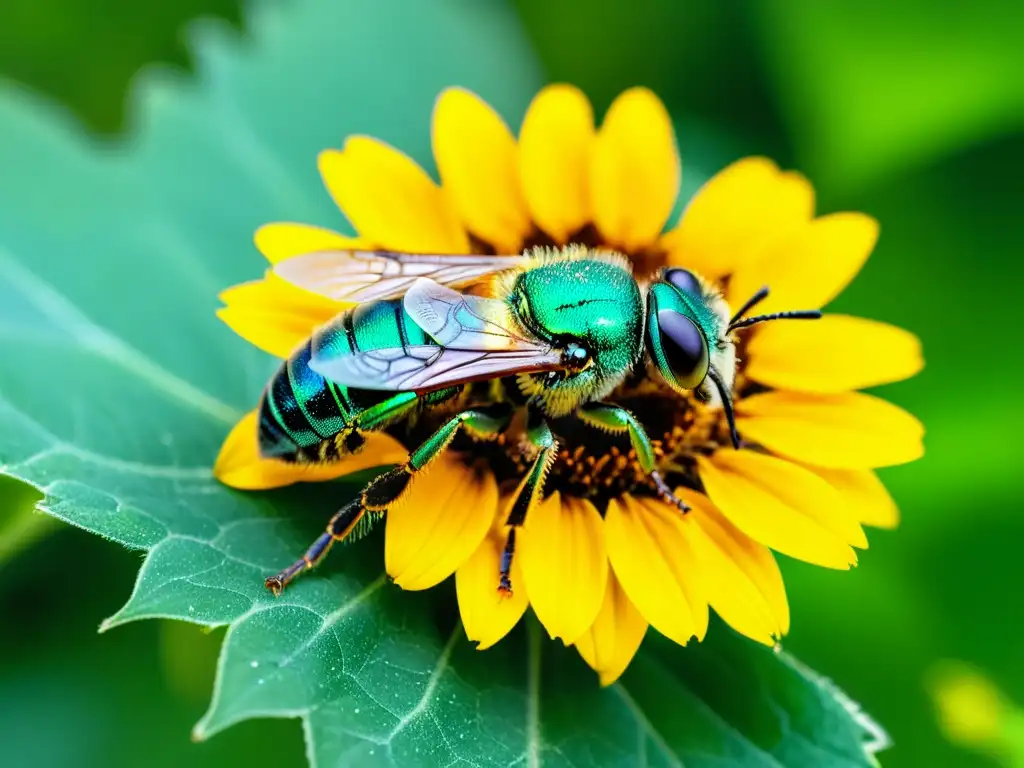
x=302, y=412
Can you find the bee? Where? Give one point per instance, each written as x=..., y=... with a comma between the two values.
x=552, y=332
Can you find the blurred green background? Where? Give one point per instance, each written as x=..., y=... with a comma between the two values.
x=911, y=111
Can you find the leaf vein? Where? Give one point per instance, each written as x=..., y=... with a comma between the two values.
x=648, y=727
x=65, y=315
x=435, y=677
x=334, y=617
x=144, y=469
x=228, y=557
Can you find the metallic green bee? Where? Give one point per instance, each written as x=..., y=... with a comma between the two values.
x=554, y=333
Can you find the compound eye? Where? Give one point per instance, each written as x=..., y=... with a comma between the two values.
x=684, y=280
x=684, y=348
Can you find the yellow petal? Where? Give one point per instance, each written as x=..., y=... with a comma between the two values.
x=487, y=615
x=783, y=506
x=240, y=465
x=478, y=162
x=565, y=565
x=554, y=154
x=634, y=171
x=274, y=315
x=740, y=576
x=844, y=431
x=735, y=214
x=834, y=354
x=390, y=200
x=439, y=523
x=653, y=561
x=282, y=240
x=866, y=495
x=614, y=638
x=810, y=266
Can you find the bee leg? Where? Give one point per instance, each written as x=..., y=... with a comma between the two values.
x=352, y=520
x=339, y=527
x=529, y=490
x=612, y=418
x=389, y=487
x=667, y=494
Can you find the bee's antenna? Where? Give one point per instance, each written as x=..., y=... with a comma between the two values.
x=793, y=314
x=726, y=396
x=750, y=303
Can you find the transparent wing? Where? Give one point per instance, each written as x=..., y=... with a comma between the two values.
x=371, y=275
x=478, y=339
x=457, y=320
x=423, y=368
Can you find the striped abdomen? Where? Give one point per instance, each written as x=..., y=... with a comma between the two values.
x=305, y=417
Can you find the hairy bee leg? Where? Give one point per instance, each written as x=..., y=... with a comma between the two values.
x=612, y=418
x=389, y=487
x=386, y=489
x=539, y=433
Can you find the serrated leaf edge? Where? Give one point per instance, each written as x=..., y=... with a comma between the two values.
x=876, y=738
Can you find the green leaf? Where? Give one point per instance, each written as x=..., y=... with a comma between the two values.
x=118, y=386
x=105, y=701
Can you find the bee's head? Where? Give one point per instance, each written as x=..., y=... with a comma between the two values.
x=688, y=336
x=591, y=310
x=685, y=334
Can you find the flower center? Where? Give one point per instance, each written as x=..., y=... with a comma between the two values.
x=599, y=466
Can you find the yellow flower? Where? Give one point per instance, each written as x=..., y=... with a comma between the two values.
x=599, y=559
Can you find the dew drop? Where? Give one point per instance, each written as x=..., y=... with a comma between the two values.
x=356, y=710
x=260, y=681
x=254, y=663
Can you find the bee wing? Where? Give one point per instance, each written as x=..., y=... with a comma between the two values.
x=371, y=275
x=478, y=339
x=424, y=368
